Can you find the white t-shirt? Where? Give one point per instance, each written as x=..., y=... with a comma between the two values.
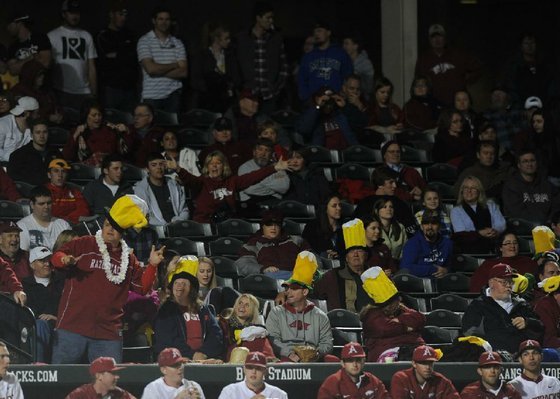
x=547, y=387
x=11, y=138
x=239, y=390
x=34, y=235
x=71, y=50
x=10, y=388
x=158, y=389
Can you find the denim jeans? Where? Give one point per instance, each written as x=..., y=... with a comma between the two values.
x=44, y=343
x=70, y=348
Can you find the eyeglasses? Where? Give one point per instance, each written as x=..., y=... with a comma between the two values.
x=510, y=243
x=469, y=188
x=505, y=283
x=528, y=161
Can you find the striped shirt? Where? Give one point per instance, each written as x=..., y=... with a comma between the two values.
x=167, y=52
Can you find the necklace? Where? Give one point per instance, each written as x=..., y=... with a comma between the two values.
x=119, y=278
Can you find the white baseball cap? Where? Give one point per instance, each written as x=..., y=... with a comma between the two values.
x=533, y=102
x=39, y=253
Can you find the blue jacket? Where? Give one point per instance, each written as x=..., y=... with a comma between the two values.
x=170, y=331
x=421, y=257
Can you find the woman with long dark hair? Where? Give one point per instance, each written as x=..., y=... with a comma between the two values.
x=392, y=232
x=451, y=142
x=324, y=234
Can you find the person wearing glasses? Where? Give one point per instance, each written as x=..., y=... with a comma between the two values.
x=500, y=318
x=452, y=142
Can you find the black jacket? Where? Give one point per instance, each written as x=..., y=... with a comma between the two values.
x=28, y=165
x=99, y=196
x=311, y=187
x=41, y=299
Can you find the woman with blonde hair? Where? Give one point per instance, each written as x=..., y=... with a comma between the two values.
x=64, y=237
x=206, y=275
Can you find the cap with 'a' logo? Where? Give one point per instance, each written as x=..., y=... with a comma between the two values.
x=529, y=344
x=255, y=359
x=170, y=357
x=425, y=353
x=490, y=358
x=352, y=350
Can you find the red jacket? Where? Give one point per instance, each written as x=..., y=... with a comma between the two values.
x=68, y=203
x=8, y=190
x=217, y=193
x=8, y=279
x=405, y=386
x=91, y=305
x=280, y=252
x=549, y=312
x=88, y=392
x=340, y=385
x=99, y=141
x=382, y=333
x=523, y=264
x=408, y=178
x=20, y=265
x=476, y=390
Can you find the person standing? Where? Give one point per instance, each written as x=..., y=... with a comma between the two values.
x=489, y=385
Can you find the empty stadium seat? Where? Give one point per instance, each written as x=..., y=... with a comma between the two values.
x=225, y=268
x=296, y=210
x=24, y=188
x=321, y=155
x=260, y=285
x=12, y=210
x=193, y=138
x=117, y=116
x=409, y=283
x=444, y=318
x=452, y=302
x=353, y=171
x=453, y=282
x=237, y=228
x=442, y=172
x=438, y=335
x=184, y=246
x=199, y=118
x=190, y=229
x=465, y=263
x=132, y=174
x=225, y=246
x=413, y=155
x=413, y=302
x=362, y=155
x=293, y=228
x=346, y=327
x=521, y=227
x=82, y=174
x=285, y=118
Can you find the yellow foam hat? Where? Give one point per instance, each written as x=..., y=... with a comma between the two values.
x=472, y=339
x=304, y=270
x=378, y=286
x=551, y=284
x=128, y=211
x=188, y=264
x=544, y=239
x=520, y=284
x=354, y=234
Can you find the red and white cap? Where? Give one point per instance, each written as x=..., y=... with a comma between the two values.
x=425, y=353
x=102, y=365
x=256, y=359
x=529, y=344
x=170, y=357
x=352, y=350
x=490, y=358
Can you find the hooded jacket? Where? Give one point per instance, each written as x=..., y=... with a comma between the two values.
x=99, y=196
x=421, y=256
x=46, y=98
x=68, y=203
x=177, y=195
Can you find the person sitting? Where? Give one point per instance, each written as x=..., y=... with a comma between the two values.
x=186, y=157
x=387, y=323
x=421, y=112
x=507, y=246
x=14, y=127
x=143, y=136
x=476, y=221
x=270, y=251
x=392, y=232
x=324, y=233
x=10, y=283
x=10, y=251
x=269, y=130
x=431, y=202
x=427, y=253
x=451, y=142
x=499, y=317
x=379, y=254
x=183, y=322
x=548, y=310
x=384, y=115
x=67, y=202
x=206, y=276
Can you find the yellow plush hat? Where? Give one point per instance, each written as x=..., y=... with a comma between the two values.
x=378, y=286
x=354, y=234
x=472, y=339
x=128, y=211
x=304, y=270
x=544, y=239
x=551, y=284
x=520, y=284
x=188, y=264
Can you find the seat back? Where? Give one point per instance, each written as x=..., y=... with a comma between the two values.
x=362, y=155
x=259, y=285
x=353, y=171
x=453, y=282
x=442, y=172
x=190, y=229
x=225, y=268
x=132, y=173
x=12, y=210
x=18, y=331
x=321, y=155
x=295, y=210
x=184, y=246
x=409, y=283
x=438, y=335
x=193, y=138
x=237, y=228
x=452, y=302
x=82, y=174
x=225, y=246
x=444, y=318
x=199, y=118
x=465, y=263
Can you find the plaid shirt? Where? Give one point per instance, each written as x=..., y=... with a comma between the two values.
x=141, y=242
x=262, y=88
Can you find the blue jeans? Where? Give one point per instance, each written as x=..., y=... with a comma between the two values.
x=44, y=344
x=70, y=348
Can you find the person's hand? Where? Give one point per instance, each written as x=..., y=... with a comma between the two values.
x=394, y=129
x=79, y=130
x=172, y=164
x=416, y=192
x=332, y=254
x=120, y=127
x=492, y=233
x=293, y=357
x=156, y=256
x=198, y=356
x=282, y=164
x=82, y=145
x=69, y=260
x=190, y=392
x=46, y=317
x=20, y=297
x=270, y=269
x=280, y=298
x=388, y=272
x=339, y=100
x=355, y=100
x=519, y=322
x=320, y=100
x=440, y=272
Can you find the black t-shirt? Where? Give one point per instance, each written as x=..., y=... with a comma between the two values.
x=163, y=198
x=22, y=50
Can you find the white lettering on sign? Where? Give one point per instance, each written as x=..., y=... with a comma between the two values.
x=37, y=375
x=282, y=374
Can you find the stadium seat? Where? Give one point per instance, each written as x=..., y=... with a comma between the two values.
x=442, y=172
x=321, y=155
x=82, y=174
x=525, y=246
x=162, y=118
x=521, y=227
x=190, y=229
x=260, y=285
x=413, y=155
x=346, y=327
x=347, y=210
x=453, y=282
x=438, y=335
x=328, y=264
x=184, y=246
x=58, y=136
x=465, y=263
x=285, y=118
x=12, y=210
x=24, y=188
x=132, y=174
x=116, y=116
x=293, y=228
x=413, y=302
x=353, y=171
x=17, y=329
x=444, y=318
x=445, y=190
x=452, y=302
x=408, y=283
x=88, y=227
x=225, y=246
x=226, y=269
x=362, y=155
x=199, y=118
x=296, y=210
x=237, y=228
x=193, y=138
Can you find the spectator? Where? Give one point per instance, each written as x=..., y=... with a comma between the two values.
x=64, y=237
x=28, y=45
x=143, y=137
x=451, y=142
x=353, y=45
x=498, y=317
x=172, y=384
x=507, y=247
x=104, y=382
x=379, y=254
x=270, y=251
x=14, y=128
x=409, y=182
x=421, y=112
x=384, y=115
x=117, y=65
x=184, y=322
x=431, y=202
x=104, y=191
x=73, y=53
x=351, y=379
x=245, y=116
x=16, y=258
x=9, y=382
x=6, y=102
x=326, y=65
x=285, y=332
x=40, y=228
x=324, y=234
x=218, y=186
x=9, y=283
x=8, y=189
x=44, y=289
x=504, y=116
x=164, y=64
x=308, y=183
x=549, y=266
x=527, y=193
x=427, y=253
x=165, y=198
x=387, y=323
x=392, y=232
x=187, y=158
x=548, y=310
x=448, y=68
x=261, y=58
x=206, y=275
x=29, y=163
x=270, y=130
x=462, y=102
x=355, y=106
x=489, y=370
x=255, y=370
x=68, y=203
x=476, y=221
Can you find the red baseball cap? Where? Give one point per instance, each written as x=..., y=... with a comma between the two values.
x=170, y=357
x=102, y=365
x=352, y=350
x=7, y=226
x=490, y=358
x=256, y=359
x=529, y=344
x=424, y=353
x=501, y=270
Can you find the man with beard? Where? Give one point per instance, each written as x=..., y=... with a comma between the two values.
x=490, y=385
x=427, y=253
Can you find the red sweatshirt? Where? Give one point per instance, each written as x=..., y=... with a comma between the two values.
x=523, y=264
x=340, y=385
x=8, y=190
x=405, y=386
x=8, y=279
x=549, y=312
x=91, y=305
x=476, y=390
x=68, y=203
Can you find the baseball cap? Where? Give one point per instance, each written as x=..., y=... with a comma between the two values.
x=501, y=270
x=248, y=93
x=223, y=124
x=39, y=253
x=25, y=103
x=70, y=6
x=59, y=163
x=430, y=216
x=272, y=216
x=20, y=16
x=352, y=350
x=529, y=344
x=256, y=359
x=8, y=227
x=489, y=358
x=170, y=357
x=436, y=29
x=102, y=365
x=424, y=353
x=533, y=102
